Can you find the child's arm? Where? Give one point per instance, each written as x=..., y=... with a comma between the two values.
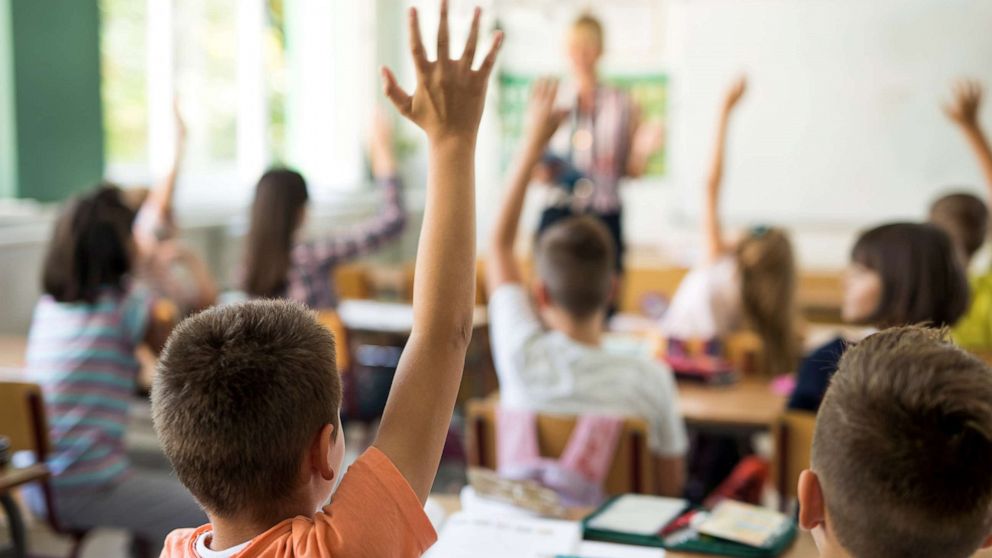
x=156, y=212
x=543, y=120
x=368, y=236
x=963, y=110
x=646, y=138
x=447, y=105
x=712, y=228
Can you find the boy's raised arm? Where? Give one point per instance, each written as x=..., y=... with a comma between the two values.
x=543, y=119
x=712, y=227
x=963, y=110
x=447, y=104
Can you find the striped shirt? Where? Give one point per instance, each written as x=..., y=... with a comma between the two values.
x=83, y=357
x=598, y=145
x=310, y=280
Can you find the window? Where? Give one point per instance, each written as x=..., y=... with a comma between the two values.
x=258, y=83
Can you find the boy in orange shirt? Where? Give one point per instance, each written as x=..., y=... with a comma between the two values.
x=246, y=399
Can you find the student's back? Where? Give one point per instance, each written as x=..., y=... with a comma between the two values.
x=548, y=371
x=81, y=350
x=564, y=368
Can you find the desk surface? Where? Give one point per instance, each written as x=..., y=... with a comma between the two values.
x=12, y=351
x=802, y=548
x=388, y=317
x=14, y=477
x=749, y=404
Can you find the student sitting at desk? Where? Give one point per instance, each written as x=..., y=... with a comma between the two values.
x=902, y=452
x=900, y=274
x=565, y=369
x=746, y=284
x=81, y=350
x=965, y=217
x=279, y=264
x=247, y=397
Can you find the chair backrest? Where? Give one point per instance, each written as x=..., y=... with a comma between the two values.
x=22, y=417
x=352, y=281
x=793, y=448
x=632, y=469
x=331, y=320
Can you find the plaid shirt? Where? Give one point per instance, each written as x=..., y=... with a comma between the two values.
x=310, y=280
x=604, y=161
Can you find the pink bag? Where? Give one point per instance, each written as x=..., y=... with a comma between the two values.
x=578, y=475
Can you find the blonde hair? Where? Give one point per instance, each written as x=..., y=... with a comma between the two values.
x=589, y=25
x=767, y=270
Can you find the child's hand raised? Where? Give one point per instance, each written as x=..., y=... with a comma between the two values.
x=734, y=94
x=963, y=109
x=543, y=118
x=450, y=95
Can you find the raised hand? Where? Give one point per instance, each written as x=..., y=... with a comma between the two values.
x=734, y=93
x=963, y=108
x=543, y=118
x=450, y=94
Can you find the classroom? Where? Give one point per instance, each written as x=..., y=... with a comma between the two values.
x=495, y=278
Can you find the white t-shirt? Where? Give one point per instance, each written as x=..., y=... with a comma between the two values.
x=546, y=371
x=205, y=552
x=707, y=303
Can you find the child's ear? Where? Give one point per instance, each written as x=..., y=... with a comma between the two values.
x=541, y=296
x=614, y=289
x=987, y=543
x=812, y=511
x=320, y=452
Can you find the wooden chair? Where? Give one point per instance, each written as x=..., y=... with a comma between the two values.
x=352, y=281
x=793, y=448
x=22, y=419
x=331, y=320
x=632, y=469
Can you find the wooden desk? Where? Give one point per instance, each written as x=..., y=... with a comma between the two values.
x=748, y=404
x=802, y=548
x=13, y=477
x=9, y=480
x=12, y=349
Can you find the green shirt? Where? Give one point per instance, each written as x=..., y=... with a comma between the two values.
x=974, y=330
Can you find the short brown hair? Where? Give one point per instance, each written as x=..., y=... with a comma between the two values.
x=965, y=218
x=922, y=279
x=240, y=393
x=903, y=447
x=575, y=261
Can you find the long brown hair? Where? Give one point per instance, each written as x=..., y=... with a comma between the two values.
x=280, y=197
x=91, y=247
x=767, y=269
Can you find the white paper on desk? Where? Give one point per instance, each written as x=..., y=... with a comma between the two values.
x=589, y=549
x=468, y=535
x=639, y=515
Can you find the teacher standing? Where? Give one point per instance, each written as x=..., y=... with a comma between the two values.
x=602, y=142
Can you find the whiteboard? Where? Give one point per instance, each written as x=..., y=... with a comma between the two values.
x=842, y=122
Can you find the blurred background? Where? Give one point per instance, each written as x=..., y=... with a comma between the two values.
x=841, y=127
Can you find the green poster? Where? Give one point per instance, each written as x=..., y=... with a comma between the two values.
x=650, y=91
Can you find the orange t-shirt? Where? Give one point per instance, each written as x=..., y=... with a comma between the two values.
x=374, y=514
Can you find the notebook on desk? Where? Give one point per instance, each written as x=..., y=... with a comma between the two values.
x=731, y=529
